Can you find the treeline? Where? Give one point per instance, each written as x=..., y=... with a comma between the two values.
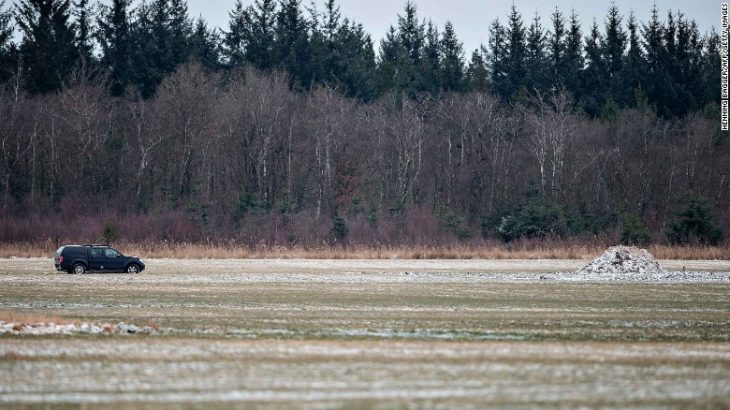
x=614, y=64
x=290, y=130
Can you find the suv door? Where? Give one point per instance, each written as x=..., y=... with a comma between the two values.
x=96, y=259
x=113, y=260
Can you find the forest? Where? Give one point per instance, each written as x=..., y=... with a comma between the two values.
x=290, y=127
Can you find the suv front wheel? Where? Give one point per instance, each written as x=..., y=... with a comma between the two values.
x=132, y=268
x=79, y=268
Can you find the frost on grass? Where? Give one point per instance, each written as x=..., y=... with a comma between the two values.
x=624, y=260
x=43, y=328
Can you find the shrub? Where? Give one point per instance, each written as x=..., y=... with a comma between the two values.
x=340, y=229
x=109, y=233
x=454, y=223
x=534, y=219
x=634, y=233
x=695, y=224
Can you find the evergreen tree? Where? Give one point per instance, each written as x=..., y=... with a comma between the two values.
x=48, y=48
x=613, y=49
x=515, y=68
x=452, y=77
x=114, y=36
x=179, y=33
x=356, y=65
x=557, y=51
x=633, y=68
x=390, y=57
x=595, y=75
x=8, y=51
x=653, y=45
x=330, y=67
x=261, y=36
x=536, y=61
x=615, y=41
x=477, y=74
x=710, y=69
x=498, y=59
x=411, y=37
x=574, y=61
x=84, y=18
x=291, y=48
x=205, y=45
x=429, y=76
x=234, y=40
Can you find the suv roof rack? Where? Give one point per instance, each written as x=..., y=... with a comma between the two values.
x=94, y=244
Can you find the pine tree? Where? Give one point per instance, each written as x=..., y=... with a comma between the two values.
x=260, y=43
x=613, y=49
x=615, y=41
x=234, y=40
x=391, y=54
x=84, y=18
x=452, y=55
x=653, y=45
x=595, y=75
x=498, y=59
x=430, y=71
x=114, y=36
x=291, y=47
x=477, y=74
x=411, y=37
x=557, y=51
x=180, y=31
x=330, y=66
x=48, y=47
x=8, y=51
x=710, y=68
x=205, y=45
x=536, y=61
x=515, y=68
x=574, y=61
x=635, y=63
x=356, y=61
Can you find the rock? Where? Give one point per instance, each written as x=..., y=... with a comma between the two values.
x=624, y=260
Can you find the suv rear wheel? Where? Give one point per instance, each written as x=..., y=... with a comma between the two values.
x=79, y=268
x=132, y=268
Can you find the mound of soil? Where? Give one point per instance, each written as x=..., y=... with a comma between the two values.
x=623, y=260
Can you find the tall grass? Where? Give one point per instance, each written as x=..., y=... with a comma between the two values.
x=533, y=249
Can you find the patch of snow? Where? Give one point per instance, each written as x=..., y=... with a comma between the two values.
x=42, y=328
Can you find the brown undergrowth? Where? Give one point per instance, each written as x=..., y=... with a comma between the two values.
x=496, y=250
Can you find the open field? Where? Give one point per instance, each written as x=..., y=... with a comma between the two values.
x=363, y=334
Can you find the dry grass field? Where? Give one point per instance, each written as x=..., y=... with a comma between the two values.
x=364, y=334
x=542, y=249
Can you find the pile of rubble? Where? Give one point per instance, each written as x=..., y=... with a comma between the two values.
x=623, y=260
x=121, y=328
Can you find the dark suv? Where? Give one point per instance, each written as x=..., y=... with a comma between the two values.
x=98, y=258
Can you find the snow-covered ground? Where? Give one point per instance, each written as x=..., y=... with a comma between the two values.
x=117, y=373
x=364, y=271
x=364, y=334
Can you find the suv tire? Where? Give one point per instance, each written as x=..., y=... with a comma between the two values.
x=79, y=268
x=132, y=268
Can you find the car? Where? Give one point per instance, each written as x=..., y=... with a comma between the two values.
x=95, y=258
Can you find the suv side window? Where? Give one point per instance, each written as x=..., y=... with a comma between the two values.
x=95, y=253
x=111, y=253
